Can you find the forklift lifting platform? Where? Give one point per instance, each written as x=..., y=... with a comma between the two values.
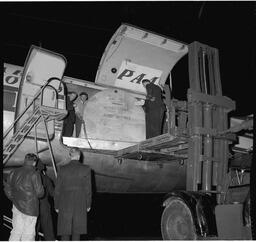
x=196, y=135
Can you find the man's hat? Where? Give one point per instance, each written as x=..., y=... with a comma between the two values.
x=73, y=151
x=30, y=158
x=145, y=80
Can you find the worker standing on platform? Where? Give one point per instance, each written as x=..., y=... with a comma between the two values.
x=79, y=105
x=154, y=108
x=24, y=188
x=73, y=197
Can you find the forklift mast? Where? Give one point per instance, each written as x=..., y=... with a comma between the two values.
x=207, y=116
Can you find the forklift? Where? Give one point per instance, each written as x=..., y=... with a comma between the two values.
x=216, y=201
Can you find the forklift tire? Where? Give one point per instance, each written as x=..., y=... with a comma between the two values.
x=177, y=222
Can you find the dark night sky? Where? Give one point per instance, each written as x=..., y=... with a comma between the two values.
x=81, y=30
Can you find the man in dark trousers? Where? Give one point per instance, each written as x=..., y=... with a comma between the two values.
x=45, y=212
x=79, y=106
x=24, y=188
x=154, y=108
x=73, y=197
x=70, y=119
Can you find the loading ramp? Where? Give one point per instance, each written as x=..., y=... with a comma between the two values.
x=165, y=146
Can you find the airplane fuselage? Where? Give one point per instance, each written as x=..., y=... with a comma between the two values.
x=112, y=174
x=113, y=118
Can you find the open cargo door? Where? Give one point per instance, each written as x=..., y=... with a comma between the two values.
x=134, y=54
x=113, y=118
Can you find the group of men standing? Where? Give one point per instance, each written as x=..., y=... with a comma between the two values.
x=29, y=188
x=75, y=108
x=154, y=108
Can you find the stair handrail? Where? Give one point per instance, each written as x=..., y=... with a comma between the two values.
x=30, y=104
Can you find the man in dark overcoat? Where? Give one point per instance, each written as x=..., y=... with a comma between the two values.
x=154, y=108
x=73, y=197
x=45, y=221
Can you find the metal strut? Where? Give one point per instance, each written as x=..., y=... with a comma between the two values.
x=207, y=116
x=50, y=147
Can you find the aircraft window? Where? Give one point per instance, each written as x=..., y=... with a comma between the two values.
x=113, y=70
x=10, y=99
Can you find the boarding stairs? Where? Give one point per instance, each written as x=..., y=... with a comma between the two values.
x=40, y=113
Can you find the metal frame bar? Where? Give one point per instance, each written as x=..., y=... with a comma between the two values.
x=207, y=115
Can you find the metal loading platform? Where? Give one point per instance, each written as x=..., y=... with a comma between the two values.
x=165, y=146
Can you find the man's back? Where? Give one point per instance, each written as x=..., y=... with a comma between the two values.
x=74, y=175
x=155, y=92
x=79, y=106
x=25, y=189
x=73, y=198
x=74, y=179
